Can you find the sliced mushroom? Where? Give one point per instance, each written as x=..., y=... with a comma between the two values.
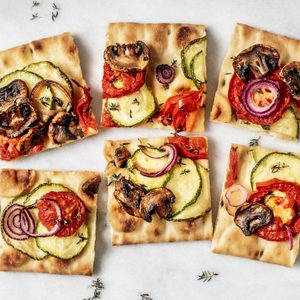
x=121, y=156
x=130, y=195
x=252, y=216
x=91, y=186
x=17, y=118
x=127, y=57
x=258, y=59
x=291, y=75
x=158, y=200
x=15, y=89
x=64, y=127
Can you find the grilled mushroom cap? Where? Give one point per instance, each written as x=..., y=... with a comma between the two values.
x=258, y=59
x=121, y=156
x=291, y=75
x=252, y=216
x=64, y=127
x=127, y=57
x=158, y=200
x=16, y=112
x=91, y=186
x=130, y=195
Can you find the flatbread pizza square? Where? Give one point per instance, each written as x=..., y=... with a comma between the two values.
x=258, y=211
x=258, y=83
x=48, y=221
x=154, y=76
x=158, y=190
x=44, y=100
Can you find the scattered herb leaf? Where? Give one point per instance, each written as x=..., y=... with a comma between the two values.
x=207, y=276
x=114, y=106
x=166, y=86
x=34, y=16
x=35, y=4
x=130, y=114
x=265, y=127
x=55, y=6
x=228, y=73
x=174, y=63
x=81, y=239
x=254, y=142
x=98, y=286
x=54, y=15
x=185, y=171
x=245, y=122
x=114, y=178
x=277, y=167
x=180, y=162
x=169, y=31
x=145, y=296
x=136, y=101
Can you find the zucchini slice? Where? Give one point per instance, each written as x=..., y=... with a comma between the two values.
x=198, y=69
x=63, y=247
x=203, y=203
x=189, y=53
x=284, y=166
x=132, y=109
x=148, y=163
x=31, y=79
x=258, y=153
x=49, y=71
x=29, y=246
x=186, y=184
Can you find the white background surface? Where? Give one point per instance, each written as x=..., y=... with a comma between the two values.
x=165, y=271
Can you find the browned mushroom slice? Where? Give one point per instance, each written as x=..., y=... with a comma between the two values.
x=21, y=181
x=258, y=59
x=291, y=75
x=129, y=194
x=91, y=186
x=64, y=127
x=252, y=216
x=158, y=200
x=15, y=89
x=16, y=118
x=121, y=156
x=127, y=57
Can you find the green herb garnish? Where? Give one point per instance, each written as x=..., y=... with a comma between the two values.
x=81, y=239
x=35, y=4
x=277, y=167
x=54, y=15
x=174, y=63
x=130, y=114
x=114, y=106
x=254, y=142
x=98, y=286
x=207, y=276
x=136, y=101
x=145, y=296
x=114, y=178
x=265, y=127
x=185, y=171
x=34, y=16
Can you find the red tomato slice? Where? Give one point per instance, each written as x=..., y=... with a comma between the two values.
x=232, y=173
x=236, y=87
x=190, y=147
x=74, y=212
x=106, y=120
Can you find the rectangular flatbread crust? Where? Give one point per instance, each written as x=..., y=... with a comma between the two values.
x=228, y=237
x=243, y=37
x=126, y=229
x=165, y=42
x=12, y=184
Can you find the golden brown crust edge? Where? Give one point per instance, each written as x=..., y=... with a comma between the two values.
x=229, y=239
x=13, y=260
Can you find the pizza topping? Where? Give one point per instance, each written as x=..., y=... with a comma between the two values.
x=158, y=200
x=167, y=150
x=127, y=57
x=251, y=216
x=291, y=75
x=16, y=88
x=190, y=147
x=236, y=195
x=165, y=74
x=121, y=156
x=261, y=97
x=91, y=186
x=64, y=127
x=179, y=110
x=256, y=60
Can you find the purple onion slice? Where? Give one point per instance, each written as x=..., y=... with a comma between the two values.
x=165, y=74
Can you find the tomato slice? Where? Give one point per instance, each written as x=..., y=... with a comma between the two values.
x=106, y=120
x=276, y=230
x=232, y=173
x=178, y=108
x=190, y=147
x=83, y=109
x=236, y=87
x=130, y=82
x=74, y=212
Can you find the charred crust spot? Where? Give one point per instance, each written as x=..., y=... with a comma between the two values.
x=128, y=225
x=184, y=35
x=157, y=232
x=222, y=203
x=14, y=259
x=37, y=45
x=72, y=49
x=5, y=62
x=23, y=49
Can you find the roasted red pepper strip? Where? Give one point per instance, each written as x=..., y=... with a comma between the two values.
x=83, y=109
x=236, y=87
x=232, y=173
x=276, y=230
x=190, y=147
x=130, y=82
x=178, y=108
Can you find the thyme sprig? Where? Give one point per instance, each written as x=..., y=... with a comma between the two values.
x=35, y=4
x=145, y=296
x=82, y=238
x=207, y=276
x=55, y=6
x=185, y=171
x=98, y=286
x=114, y=178
x=136, y=101
x=277, y=167
x=254, y=142
x=34, y=16
x=114, y=106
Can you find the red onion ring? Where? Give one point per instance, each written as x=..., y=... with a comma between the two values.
x=165, y=74
x=231, y=204
x=290, y=235
x=248, y=94
x=158, y=155
x=172, y=160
